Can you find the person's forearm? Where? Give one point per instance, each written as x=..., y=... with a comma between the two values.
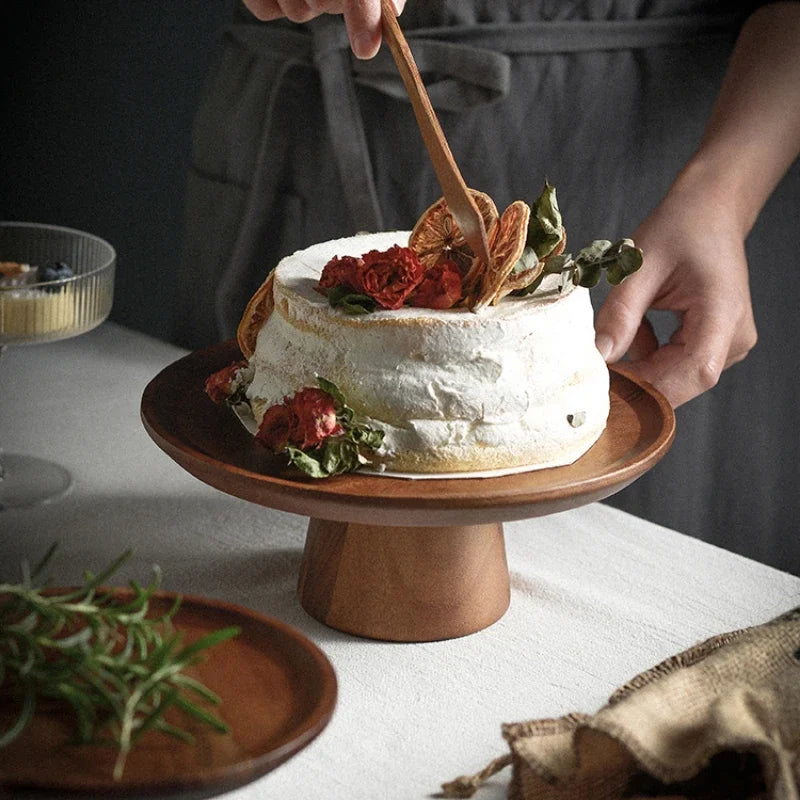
x=753, y=135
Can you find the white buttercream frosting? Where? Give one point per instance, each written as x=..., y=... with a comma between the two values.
x=453, y=390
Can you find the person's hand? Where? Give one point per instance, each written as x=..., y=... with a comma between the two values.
x=362, y=17
x=694, y=265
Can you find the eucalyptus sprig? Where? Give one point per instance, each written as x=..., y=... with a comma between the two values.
x=619, y=260
x=117, y=669
x=546, y=232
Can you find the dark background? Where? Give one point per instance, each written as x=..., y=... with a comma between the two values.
x=98, y=99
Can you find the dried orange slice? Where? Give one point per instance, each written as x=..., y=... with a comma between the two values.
x=255, y=315
x=436, y=236
x=520, y=279
x=506, y=247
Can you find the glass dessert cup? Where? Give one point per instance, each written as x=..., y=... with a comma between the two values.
x=34, y=311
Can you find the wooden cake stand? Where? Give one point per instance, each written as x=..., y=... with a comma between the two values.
x=391, y=558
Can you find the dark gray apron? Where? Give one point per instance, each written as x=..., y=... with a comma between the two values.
x=297, y=142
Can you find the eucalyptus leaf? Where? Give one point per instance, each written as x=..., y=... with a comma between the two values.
x=329, y=387
x=594, y=252
x=629, y=259
x=306, y=462
x=339, y=455
x=527, y=261
x=545, y=227
x=555, y=265
x=363, y=436
x=530, y=288
x=587, y=275
x=350, y=302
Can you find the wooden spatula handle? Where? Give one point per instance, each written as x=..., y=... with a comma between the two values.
x=459, y=200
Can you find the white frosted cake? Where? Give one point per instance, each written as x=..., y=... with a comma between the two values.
x=516, y=385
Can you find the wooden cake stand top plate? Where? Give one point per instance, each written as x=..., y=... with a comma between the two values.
x=209, y=442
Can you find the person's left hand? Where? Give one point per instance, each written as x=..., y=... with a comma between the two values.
x=694, y=265
x=362, y=17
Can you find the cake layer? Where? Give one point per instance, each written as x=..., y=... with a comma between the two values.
x=512, y=385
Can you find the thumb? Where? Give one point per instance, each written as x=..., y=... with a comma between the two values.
x=620, y=317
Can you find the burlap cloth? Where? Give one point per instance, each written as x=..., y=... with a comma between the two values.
x=720, y=720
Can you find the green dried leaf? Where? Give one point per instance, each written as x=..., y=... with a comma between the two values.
x=329, y=387
x=628, y=259
x=306, y=462
x=363, y=436
x=527, y=261
x=350, y=302
x=545, y=227
x=339, y=455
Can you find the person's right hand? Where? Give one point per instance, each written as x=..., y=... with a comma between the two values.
x=362, y=17
x=695, y=266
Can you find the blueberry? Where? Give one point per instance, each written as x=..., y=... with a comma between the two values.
x=54, y=272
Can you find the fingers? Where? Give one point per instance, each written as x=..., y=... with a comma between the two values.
x=362, y=17
x=709, y=340
x=265, y=10
x=293, y=10
x=645, y=342
x=363, y=20
x=620, y=317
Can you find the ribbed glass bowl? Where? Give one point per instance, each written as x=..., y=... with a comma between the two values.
x=51, y=310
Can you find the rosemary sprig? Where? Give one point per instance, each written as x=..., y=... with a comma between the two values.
x=116, y=669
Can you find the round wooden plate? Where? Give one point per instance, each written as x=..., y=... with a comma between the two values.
x=210, y=443
x=277, y=692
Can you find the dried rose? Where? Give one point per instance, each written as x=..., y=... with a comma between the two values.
x=342, y=271
x=219, y=386
x=313, y=418
x=440, y=288
x=390, y=276
x=273, y=432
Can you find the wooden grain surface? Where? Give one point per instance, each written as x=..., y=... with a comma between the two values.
x=277, y=690
x=409, y=584
x=209, y=442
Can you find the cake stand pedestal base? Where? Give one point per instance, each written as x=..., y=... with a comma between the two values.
x=404, y=584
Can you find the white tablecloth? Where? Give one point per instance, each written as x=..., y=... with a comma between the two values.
x=597, y=595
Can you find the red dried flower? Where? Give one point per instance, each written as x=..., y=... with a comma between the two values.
x=273, y=432
x=313, y=418
x=344, y=271
x=440, y=288
x=304, y=421
x=390, y=276
x=218, y=385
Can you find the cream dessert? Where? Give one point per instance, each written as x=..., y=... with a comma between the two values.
x=30, y=310
x=518, y=384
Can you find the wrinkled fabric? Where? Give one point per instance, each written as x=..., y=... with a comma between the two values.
x=720, y=720
x=296, y=142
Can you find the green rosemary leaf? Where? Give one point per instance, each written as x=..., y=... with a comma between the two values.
x=209, y=640
x=25, y=715
x=44, y=561
x=117, y=669
x=200, y=713
x=185, y=682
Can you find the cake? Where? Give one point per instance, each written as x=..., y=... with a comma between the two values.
x=403, y=352
x=519, y=384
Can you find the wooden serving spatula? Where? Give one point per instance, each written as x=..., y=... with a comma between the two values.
x=459, y=200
